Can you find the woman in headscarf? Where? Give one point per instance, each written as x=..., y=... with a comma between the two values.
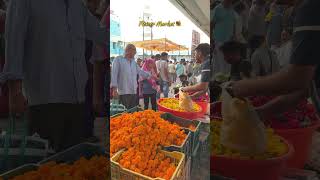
x=149, y=86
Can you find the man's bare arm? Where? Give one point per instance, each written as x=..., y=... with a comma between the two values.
x=294, y=78
x=282, y=103
x=198, y=94
x=203, y=86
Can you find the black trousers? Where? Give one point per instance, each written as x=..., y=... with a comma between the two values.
x=153, y=97
x=62, y=124
x=129, y=100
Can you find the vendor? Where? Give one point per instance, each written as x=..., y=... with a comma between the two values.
x=202, y=56
x=232, y=55
x=293, y=83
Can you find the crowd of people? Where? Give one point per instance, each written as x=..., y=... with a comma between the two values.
x=251, y=37
x=54, y=66
x=273, y=53
x=155, y=76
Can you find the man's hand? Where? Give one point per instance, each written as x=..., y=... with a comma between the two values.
x=183, y=89
x=115, y=92
x=293, y=78
x=98, y=104
x=17, y=102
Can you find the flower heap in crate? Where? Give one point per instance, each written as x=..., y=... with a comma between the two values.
x=302, y=115
x=275, y=146
x=96, y=168
x=143, y=134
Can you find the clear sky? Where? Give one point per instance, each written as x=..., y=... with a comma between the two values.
x=131, y=11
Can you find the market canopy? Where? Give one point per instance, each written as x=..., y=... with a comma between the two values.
x=198, y=11
x=162, y=44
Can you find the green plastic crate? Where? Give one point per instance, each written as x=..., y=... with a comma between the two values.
x=74, y=153
x=17, y=149
x=184, y=148
x=186, y=124
x=132, y=110
x=116, y=107
x=70, y=155
x=19, y=171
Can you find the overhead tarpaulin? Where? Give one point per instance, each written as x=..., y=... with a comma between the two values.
x=162, y=44
x=198, y=11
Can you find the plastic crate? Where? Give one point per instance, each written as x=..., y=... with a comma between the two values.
x=19, y=171
x=186, y=124
x=116, y=108
x=34, y=150
x=70, y=155
x=119, y=173
x=132, y=110
x=184, y=148
x=74, y=153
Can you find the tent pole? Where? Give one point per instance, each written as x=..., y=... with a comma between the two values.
x=143, y=38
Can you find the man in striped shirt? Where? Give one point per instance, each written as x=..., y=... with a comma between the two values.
x=202, y=56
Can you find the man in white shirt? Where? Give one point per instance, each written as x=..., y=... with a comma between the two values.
x=172, y=71
x=164, y=74
x=45, y=53
x=157, y=59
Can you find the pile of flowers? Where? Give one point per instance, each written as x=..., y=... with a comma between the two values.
x=152, y=163
x=275, y=146
x=142, y=134
x=173, y=104
x=302, y=115
x=96, y=168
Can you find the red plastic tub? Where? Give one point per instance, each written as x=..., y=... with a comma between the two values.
x=186, y=115
x=240, y=169
x=300, y=138
x=203, y=103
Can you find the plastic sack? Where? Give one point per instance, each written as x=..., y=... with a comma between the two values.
x=185, y=101
x=241, y=128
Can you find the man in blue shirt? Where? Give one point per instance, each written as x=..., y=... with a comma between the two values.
x=124, y=74
x=202, y=55
x=223, y=22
